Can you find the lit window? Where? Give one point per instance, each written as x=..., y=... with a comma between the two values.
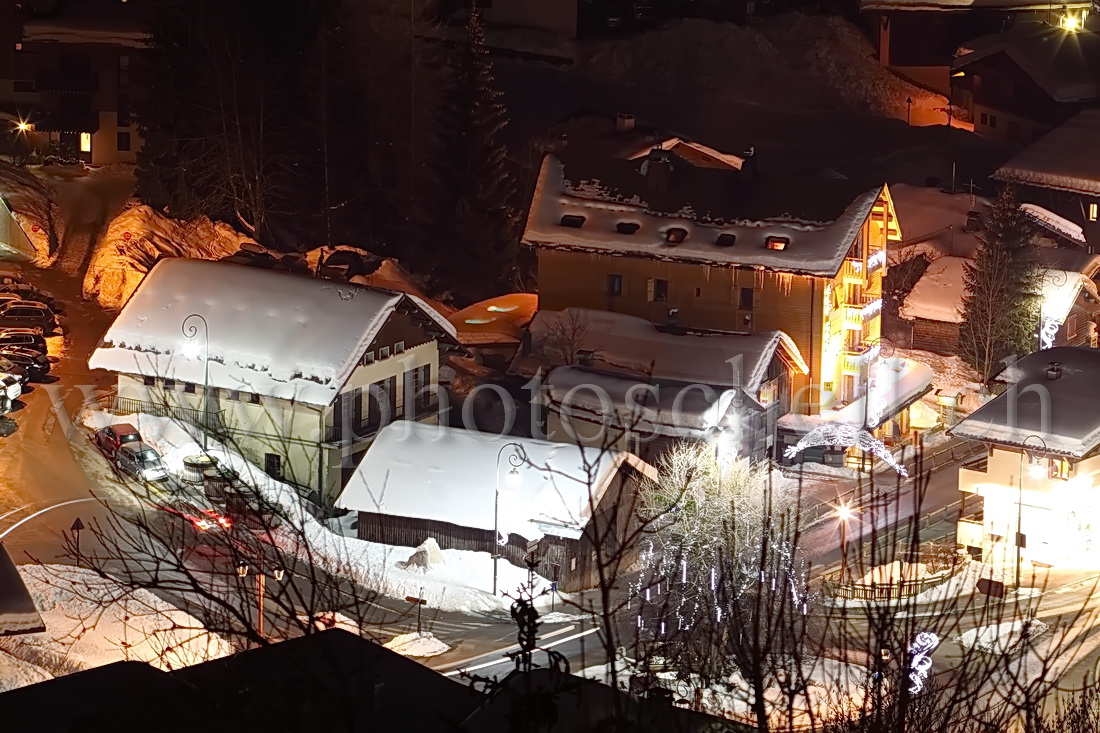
x=777, y=243
x=19, y=47
x=1092, y=212
x=675, y=235
x=85, y=142
x=1059, y=468
x=657, y=290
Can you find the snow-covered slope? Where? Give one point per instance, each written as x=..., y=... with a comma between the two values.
x=140, y=236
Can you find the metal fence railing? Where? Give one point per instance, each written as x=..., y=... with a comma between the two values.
x=212, y=421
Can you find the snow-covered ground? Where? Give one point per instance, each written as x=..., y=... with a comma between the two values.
x=417, y=644
x=951, y=375
x=1001, y=638
x=138, y=237
x=462, y=583
x=92, y=621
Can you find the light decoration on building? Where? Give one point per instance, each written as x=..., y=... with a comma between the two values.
x=877, y=258
x=845, y=436
x=871, y=309
x=920, y=659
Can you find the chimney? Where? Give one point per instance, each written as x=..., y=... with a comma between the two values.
x=624, y=122
x=749, y=169
x=1054, y=370
x=657, y=169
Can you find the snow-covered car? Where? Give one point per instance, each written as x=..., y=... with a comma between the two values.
x=35, y=364
x=24, y=291
x=141, y=461
x=23, y=337
x=10, y=367
x=112, y=437
x=10, y=390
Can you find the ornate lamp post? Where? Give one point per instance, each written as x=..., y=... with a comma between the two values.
x=243, y=571
x=190, y=350
x=516, y=458
x=1020, y=502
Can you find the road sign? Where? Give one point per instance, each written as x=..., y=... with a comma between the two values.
x=991, y=587
x=77, y=525
x=554, y=587
x=418, y=601
x=126, y=236
x=35, y=228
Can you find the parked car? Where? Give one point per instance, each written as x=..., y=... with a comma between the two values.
x=29, y=292
x=10, y=367
x=27, y=314
x=10, y=390
x=34, y=363
x=141, y=461
x=113, y=437
x=24, y=337
x=201, y=514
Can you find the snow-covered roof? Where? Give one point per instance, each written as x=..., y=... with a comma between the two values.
x=679, y=410
x=624, y=344
x=952, y=5
x=819, y=217
x=1060, y=416
x=450, y=475
x=1065, y=63
x=1057, y=225
x=92, y=21
x=895, y=383
x=938, y=295
x=272, y=333
x=938, y=218
x=1066, y=159
x=696, y=153
x=498, y=320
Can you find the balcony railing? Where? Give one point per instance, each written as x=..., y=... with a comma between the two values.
x=212, y=421
x=853, y=270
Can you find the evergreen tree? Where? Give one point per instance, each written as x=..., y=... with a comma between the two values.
x=1000, y=306
x=471, y=225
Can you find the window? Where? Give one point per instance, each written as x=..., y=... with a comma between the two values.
x=573, y=221
x=189, y=387
x=992, y=120
x=273, y=465
x=85, y=142
x=627, y=227
x=399, y=347
x=368, y=358
x=675, y=235
x=572, y=563
x=18, y=46
x=726, y=240
x=169, y=384
x=1092, y=212
x=852, y=338
x=777, y=243
x=1071, y=326
x=254, y=398
x=384, y=352
x=122, y=116
x=984, y=118
x=422, y=385
x=853, y=294
x=745, y=299
x=698, y=292
x=1059, y=468
x=232, y=394
x=123, y=142
x=150, y=381
x=614, y=285
x=657, y=290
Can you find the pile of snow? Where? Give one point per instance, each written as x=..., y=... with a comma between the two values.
x=950, y=375
x=938, y=295
x=31, y=203
x=417, y=644
x=790, y=60
x=140, y=236
x=92, y=621
x=1001, y=638
x=462, y=583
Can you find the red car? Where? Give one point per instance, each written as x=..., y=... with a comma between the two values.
x=113, y=437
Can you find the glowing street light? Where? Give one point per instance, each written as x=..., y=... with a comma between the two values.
x=1035, y=471
x=23, y=126
x=845, y=514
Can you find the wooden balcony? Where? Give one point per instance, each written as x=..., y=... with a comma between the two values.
x=853, y=271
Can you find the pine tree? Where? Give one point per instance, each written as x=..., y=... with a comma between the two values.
x=999, y=312
x=472, y=225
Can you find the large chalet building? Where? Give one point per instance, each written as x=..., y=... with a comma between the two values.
x=1019, y=84
x=726, y=248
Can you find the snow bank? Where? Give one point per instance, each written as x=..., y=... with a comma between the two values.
x=462, y=583
x=422, y=644
x=140, y=236
x=1001, y=638
x=92, y=621
x=894, y=572
x=31, y=203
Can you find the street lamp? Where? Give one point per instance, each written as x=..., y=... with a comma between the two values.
x=844, y=513
x=516, y=458
x=243, y=571
x=1036, y=472
x=191, y=351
